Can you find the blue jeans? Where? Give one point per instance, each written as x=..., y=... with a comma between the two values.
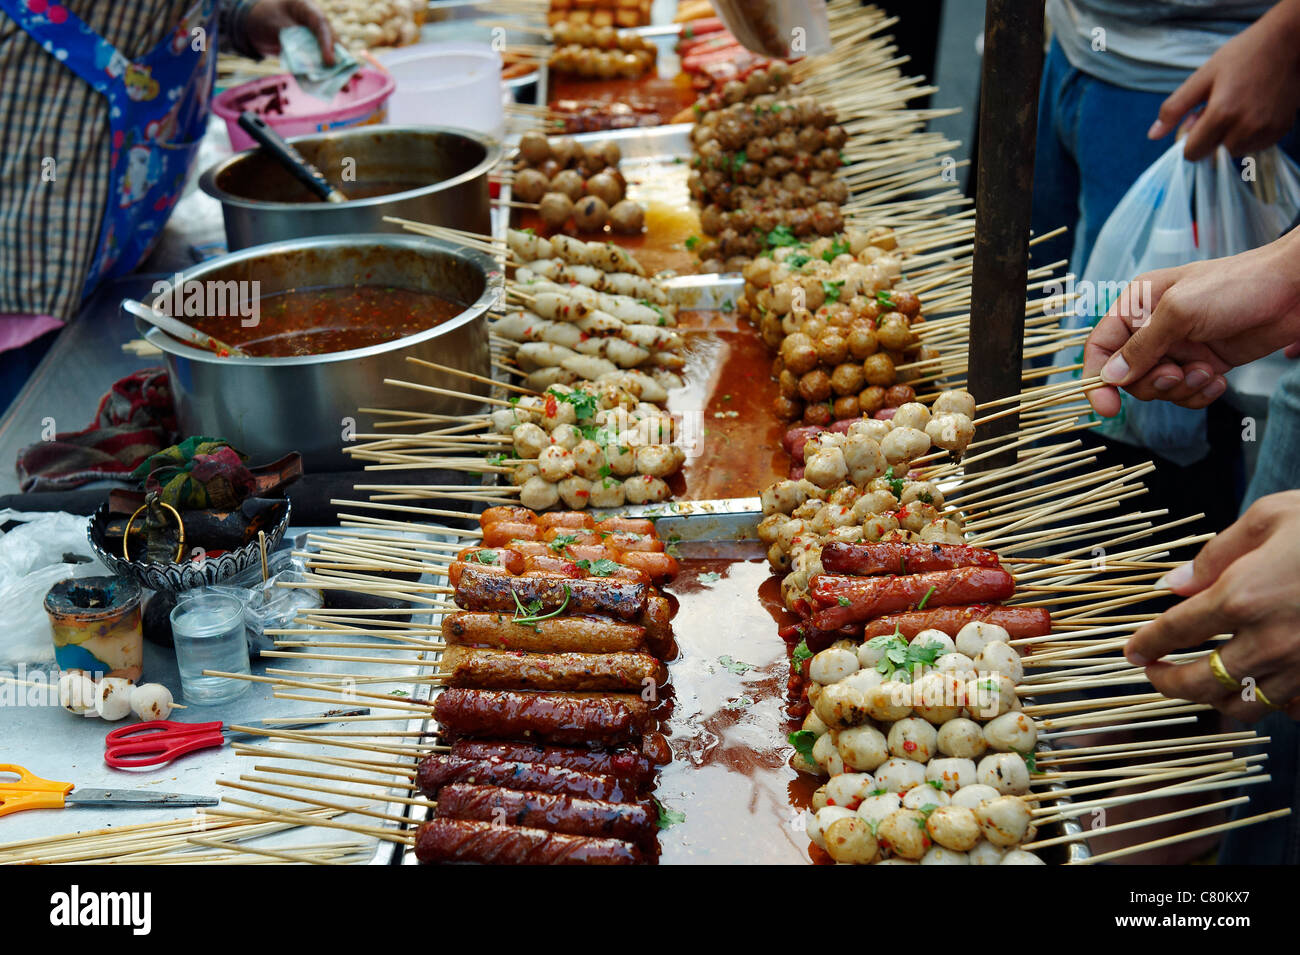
x=1092, y=146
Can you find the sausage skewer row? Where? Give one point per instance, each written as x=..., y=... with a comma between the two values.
x=528, y=692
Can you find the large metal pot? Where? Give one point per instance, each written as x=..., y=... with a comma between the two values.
x=269, y=406
x=261, y=202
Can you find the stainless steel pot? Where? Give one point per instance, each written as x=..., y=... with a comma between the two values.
x=268, y=406
x=445, y=168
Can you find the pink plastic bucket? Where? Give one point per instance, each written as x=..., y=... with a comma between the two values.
x=291, y=112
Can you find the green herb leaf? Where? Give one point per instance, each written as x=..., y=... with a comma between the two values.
x=926, y=598
x=935, y=784
x=801, y=653
x=737, y=667
x=668, y=817
x=484, y=557
x=885, y=300
x=1031, y=760
x=839, y=246
x=691, y=242
x=843, y=601
x=781, y=236
x=531, y=615
x=601, y=568
x=561, y=542
x=832, y=289
x=802, y=741
x=584, y=405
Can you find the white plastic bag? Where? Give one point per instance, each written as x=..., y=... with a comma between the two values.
x=1179, y=212
x=32, y=560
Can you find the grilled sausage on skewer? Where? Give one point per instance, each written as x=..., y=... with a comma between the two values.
x=462, y=840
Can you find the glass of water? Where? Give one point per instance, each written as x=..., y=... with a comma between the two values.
x=208, y=631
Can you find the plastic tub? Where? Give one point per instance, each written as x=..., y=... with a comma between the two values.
x=446, y=84
x=291, y=112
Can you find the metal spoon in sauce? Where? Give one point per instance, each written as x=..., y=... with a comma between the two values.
x=178, y=329
x=282, y=152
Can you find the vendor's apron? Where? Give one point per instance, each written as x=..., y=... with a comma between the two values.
x=158, y=110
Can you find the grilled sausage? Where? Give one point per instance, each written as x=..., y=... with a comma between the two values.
x=464, y=840
x=513, y=670
x=1017, y=621
x=658, y=566
x=456, y=568
x=845, y=600
x=511, y=513
x=502, y=533
x=868, y=560
x=632, y=822
x=576, y=634
x=623, y=763
x=566, y=519
x=512, y=560
x=564, y=718
x=632, y=525
x=617, y=598
x=441, y=769
x=549, y=564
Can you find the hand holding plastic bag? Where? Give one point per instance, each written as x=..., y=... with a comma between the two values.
x=1176, y=213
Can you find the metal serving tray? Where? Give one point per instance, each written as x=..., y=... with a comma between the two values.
x=721, y=530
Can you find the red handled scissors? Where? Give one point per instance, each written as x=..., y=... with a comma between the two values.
x=158, y=742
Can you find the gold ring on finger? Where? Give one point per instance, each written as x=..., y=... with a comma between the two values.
x=1221, y=672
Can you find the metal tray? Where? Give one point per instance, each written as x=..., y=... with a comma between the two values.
x=721, y=530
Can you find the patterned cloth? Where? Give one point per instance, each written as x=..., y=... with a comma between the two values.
x=55, y=168
x=197, y=474
x=135, y=419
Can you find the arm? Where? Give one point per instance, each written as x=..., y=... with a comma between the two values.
x=1173, y=333
x=254, y=26
x=1242, y=582
x=1250, y=88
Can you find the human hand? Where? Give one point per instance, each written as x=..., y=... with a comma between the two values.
x=1242, y=582
x=1173, y=333
x=266, y=18
x=1250, y=88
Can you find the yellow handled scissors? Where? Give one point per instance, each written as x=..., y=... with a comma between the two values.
x=30, y=791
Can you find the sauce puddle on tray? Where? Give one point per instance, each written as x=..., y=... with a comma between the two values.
x=730, y=775
x=729, y=383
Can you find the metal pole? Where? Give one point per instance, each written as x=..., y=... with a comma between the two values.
x=1013, y=65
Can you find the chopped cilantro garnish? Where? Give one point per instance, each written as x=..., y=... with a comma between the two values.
x=925, y=599
x=885, y=300
x=832, y=289
x=737, y=667
x=600, y=568
x=838, y=247
x=1031, y=760
x=801, y=653
x=668, y=817
x=802, y=741
x=584, y=405
x=798, y=260
x=561, y=542
x=780, y=236
x=691, y=242
x=844, y=601
x=531, y=615
x=484, y=557
x=934, y=783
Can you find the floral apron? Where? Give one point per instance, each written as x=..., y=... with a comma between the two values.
x=158, y=111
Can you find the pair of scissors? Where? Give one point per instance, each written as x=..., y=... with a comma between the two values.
x=158, y=742
x=30, y=791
